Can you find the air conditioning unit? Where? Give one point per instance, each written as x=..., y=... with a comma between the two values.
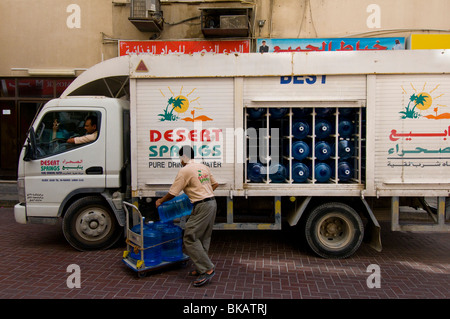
x=234, y=22
x=141, y=8
x=146, y=15
x=225, y=22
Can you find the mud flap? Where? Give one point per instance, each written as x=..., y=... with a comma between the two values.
x=373, y=230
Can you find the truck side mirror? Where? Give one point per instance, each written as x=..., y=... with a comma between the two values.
x=30, y=152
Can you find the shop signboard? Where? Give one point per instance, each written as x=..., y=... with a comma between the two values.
x=429, y=41
x=183, y=47
x=330, y=44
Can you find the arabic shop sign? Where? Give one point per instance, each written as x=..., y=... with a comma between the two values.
x=329, y=44
x=183, y=47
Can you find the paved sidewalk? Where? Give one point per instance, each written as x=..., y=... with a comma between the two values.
x=249, y=265
x=8, y=193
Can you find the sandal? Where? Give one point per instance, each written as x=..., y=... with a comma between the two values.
x=203, y=279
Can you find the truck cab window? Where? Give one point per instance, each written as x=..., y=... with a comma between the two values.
x=56, y=128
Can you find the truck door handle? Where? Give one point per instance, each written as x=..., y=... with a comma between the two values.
x=94, y=170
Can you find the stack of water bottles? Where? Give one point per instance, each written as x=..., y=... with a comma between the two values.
x=274, y=172
x=301, y=140
x=323, y=151
x=163, y=239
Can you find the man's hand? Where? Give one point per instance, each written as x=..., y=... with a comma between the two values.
x=166, y=197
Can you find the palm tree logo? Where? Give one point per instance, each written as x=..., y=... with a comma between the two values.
x=419, y=105
x=410, y=112
x=172, y=104
x=180, y=104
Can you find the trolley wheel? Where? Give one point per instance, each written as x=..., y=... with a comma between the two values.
x=334, y=230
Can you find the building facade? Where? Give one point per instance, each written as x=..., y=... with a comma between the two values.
x=48, y=43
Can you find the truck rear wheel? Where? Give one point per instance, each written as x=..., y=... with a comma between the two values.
x=334, y=230
x=89, y=224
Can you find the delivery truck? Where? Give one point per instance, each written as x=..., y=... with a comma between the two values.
x=311, y=140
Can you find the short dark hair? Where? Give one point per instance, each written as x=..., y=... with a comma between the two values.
x=93, y=119
x=186, y=150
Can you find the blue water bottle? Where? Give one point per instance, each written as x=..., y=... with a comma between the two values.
x=172, y=247
x=277, y=173
x=152, y=246
x=322, y=129
x=300, y=150
x=346, y=111
x=301, y=112
x=255, y=114
x=300, y=129
x=345, y=171
x=345, y=128
x=345, y=149
x=278, y=113
x=256, y=172
x=175, y=208
x=300, y=172
x=322, y=150
x=159, y=225
x=323, y=111
x=322, y=172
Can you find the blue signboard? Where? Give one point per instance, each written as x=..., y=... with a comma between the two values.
x=329, y=44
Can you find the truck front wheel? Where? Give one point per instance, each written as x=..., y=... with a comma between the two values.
x=89, y=224
x=334, y=230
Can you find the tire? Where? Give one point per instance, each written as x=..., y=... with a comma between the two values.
x=334, y=230
x=89, y=224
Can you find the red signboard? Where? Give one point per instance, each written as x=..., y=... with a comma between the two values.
x=183, y=47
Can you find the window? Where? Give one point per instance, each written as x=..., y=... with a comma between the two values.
x=56, y=128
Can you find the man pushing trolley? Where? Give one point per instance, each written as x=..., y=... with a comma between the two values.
x=197, y=182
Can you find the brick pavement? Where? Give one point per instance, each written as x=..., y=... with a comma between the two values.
x=249, y=265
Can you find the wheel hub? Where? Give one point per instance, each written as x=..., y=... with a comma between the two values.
x=93, y=223
x=332, y=228
x=334, y=231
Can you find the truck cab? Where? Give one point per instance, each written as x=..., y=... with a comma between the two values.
x=79, y=183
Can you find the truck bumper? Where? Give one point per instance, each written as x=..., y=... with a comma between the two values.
x=20, y=213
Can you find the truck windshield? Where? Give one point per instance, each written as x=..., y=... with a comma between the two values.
x=56, y=128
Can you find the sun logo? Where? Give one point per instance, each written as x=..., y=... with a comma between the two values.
x=180, y=104
x=419, y=105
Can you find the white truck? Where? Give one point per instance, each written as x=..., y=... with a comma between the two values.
x=311, y=140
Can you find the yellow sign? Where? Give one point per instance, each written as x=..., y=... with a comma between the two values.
x=429, y=41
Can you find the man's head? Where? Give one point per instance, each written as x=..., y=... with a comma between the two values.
x=186, y=153
x=90, y=124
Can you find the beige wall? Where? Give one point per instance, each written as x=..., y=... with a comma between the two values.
x=35, y=33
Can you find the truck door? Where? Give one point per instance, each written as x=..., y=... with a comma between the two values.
x=58, y=168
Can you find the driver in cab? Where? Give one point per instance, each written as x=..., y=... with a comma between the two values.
x=91, y=132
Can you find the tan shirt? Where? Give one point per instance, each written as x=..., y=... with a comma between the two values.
x=86, y=138
x=196, y=180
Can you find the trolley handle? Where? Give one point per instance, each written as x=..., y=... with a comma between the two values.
x=134, y=209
